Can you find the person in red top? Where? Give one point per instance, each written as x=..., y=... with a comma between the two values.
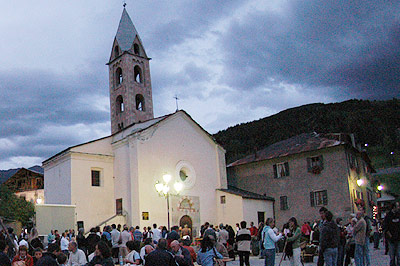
x=253, y=229
x=306, y=230
x=22, y=255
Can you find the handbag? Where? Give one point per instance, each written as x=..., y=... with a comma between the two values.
x=218, y=262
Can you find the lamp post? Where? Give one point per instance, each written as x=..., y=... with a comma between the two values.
x=163, y=190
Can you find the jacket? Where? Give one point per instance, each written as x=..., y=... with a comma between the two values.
x=359, y=232
x=160, y=257
x=243, y=239
x=391, y=226
x=207, y=258
x=329, y=236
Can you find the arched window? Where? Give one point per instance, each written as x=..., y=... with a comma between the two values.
x=116, y=51
x=136, y=49
x=120, y=104
x=138, y=74
x=118, y=75
x=140, y=102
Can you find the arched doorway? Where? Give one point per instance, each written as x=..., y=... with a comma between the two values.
x=186, y=220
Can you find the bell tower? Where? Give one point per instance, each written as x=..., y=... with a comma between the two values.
x=129, y=74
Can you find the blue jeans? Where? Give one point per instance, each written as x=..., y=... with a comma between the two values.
x=359, y=255
x=340, y=255
x=269, y=257
x=394, y=253
x=367, y=260
x=330, y=256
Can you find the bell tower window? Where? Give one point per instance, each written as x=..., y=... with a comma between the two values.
x=116, y=51
x=119, y=77
x=120, y=104
x=140, y=102
x=136, y=49
x=138, y=74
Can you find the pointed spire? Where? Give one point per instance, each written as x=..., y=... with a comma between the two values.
x=126, y=32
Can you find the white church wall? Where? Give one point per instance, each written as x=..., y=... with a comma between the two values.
x=57, y=180
x=230, y=212
x=251, y=208
x=172, y=141
x=94, y=204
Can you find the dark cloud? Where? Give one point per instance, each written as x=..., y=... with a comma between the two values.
x=352, y=47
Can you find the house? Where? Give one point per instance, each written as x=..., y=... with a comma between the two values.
x=113, y=179
x=306, y=172
x=27, y=184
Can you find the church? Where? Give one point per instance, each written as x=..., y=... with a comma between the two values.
x=113, y=179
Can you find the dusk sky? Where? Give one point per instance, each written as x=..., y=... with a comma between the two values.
x=229, y=62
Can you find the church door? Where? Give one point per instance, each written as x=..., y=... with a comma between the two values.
x=186, y=220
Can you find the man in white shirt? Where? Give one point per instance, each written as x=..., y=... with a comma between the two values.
x=123, y=238
x=24, y=242
x=76, y=256
x=223, y=235
x=64, y=243
x=156, y=233
x=114, y=241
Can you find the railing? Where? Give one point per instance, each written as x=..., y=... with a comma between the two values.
x=124, y=213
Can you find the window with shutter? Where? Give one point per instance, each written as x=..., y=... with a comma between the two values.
x=312, y=199
x=281, y=170
x=284, y=203
x=319, y=198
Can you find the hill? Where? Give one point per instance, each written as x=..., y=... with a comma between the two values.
x=376, y=123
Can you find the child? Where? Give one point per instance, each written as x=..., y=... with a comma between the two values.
x=37, y=254
x=62, y=259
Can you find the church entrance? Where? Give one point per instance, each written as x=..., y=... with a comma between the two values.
x=186, y=224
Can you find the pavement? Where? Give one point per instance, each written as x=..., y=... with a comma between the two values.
x=378, y=258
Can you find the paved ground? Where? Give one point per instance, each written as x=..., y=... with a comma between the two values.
x=378, y=258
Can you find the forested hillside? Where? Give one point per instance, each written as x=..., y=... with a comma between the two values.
x=376, y=123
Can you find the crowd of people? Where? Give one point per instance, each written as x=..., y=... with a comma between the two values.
x=339, y=241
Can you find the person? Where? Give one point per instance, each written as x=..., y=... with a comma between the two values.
x=243, y=239
x=37, y=254
x=359, y=238
x=114, y=241
x=253, y=229
x=350, y=244
x=49, y=257
x=91, y=240
x=186, y=242
x=124, y=237
x=156, y=233
x=322, y=212
x=306, y=230
x=133, y=256
x=173, y=235
x=342, y=241
x=329, y=240
x=231, y=241
x=186, y=231
x=137, y=235
x=62, y=259
x=391, y=229
x=64, y=243
x=4, y=260
x=145, y=233
x=377, y=234
x=269, y=238
x=51, y=238
x=208, y=230
x=181, y=254
x=106, y=235
x=160, y=256
x=223, y=235
x=368, y=230
x=24, y=242
x=219, y=247
x=260, y=239
x=102, y=255
x=22, y=255
x=164, y=232
x=207, y=253
x=81, y=240
x=76, y=257
x=295, y=240
x=146, y=249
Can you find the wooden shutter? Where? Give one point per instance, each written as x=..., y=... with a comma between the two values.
x=309, y=164
x=287, y=168
x=312, y=199
x=325, y=197
x=275, y=171
x=321, y=161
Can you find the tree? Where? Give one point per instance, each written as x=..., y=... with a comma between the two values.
x=13, y=208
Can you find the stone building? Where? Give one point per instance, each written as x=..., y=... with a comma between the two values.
x=113, y=179
x=306, y=172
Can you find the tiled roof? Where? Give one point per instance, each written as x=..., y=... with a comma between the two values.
x=126, y=32
x=297, y=144
x=245, y=194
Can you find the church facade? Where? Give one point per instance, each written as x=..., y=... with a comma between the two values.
x=113, y=179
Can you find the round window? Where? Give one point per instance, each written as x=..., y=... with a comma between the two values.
x=186, y=174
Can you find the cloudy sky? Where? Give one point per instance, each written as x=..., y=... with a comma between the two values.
x=228, y=61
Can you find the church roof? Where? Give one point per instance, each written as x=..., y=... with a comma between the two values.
x=126, y=32
x=245, y=194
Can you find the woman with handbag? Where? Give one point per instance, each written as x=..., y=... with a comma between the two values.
x=269, y=239
x=295, y=259
x=208, y=255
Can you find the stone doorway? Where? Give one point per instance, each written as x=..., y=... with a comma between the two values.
x=186, y=220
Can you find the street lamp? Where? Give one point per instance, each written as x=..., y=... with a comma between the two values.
x=360, y=182
x=380, y=187
x=163, y=190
